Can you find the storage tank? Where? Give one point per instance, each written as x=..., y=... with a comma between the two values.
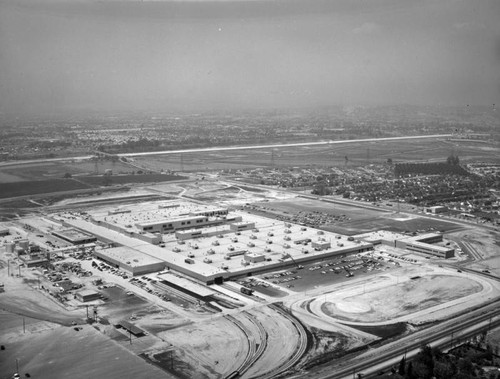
x=24, y=243
x=9, y=247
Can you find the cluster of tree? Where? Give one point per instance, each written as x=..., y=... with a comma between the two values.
x=321, y=188
x=432, y=363
x=142, y=144
x=453, y=159
x=437, y=168
x=49, y=144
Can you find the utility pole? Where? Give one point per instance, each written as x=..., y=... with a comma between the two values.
x=24, y=325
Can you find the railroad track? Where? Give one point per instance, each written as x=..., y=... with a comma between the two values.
x=252, y=347
x=299, y=352
x=472, y=250
x=255, y=350
x=261, y=347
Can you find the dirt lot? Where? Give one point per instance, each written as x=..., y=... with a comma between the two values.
x=407, y=297
x=51, y=351
x=39, y=171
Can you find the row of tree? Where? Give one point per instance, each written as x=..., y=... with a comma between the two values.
x=432, y=363
x=433, y=168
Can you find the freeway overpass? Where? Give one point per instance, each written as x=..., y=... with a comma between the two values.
x=444, y=335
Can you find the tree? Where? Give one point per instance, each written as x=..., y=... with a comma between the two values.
x=402, y=364
x=465, y=366
x=453, y=160
x=67, y=175
x=409, y=371
x=424, y=362
x=321, y=189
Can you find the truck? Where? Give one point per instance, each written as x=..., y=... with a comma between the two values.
x=246, y=291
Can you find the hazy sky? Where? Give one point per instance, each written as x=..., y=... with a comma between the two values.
x=124, y=55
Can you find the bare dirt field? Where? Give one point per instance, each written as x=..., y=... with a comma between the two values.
x=416, y=293
x=406, y=298
x=38, y=171
x=51, y=351
x=484, y=243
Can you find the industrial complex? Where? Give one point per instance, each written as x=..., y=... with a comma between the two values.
x=208, y=244
x=260, y=293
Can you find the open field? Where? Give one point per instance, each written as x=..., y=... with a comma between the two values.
x=52, y=351
x=96, y=180
x=405, y=298
x=39, y=187
x=358, y=153
x=412, y=294
x=52, y=170
x=24, y=188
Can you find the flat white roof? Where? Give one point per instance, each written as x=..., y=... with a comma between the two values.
x=131, y=257
x=170, y=220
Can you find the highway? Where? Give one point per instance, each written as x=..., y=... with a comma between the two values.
x=276, y=146
x=444, y=335
x=224, y=148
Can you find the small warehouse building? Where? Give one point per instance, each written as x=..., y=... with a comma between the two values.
x=76, y=237
x=424, y=243
x=436, y=209
x=421, y=247
x=87, y=295
x=185, y=285
x=131, y=328
x=35, y=260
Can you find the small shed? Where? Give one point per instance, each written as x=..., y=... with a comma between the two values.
x=87, y=295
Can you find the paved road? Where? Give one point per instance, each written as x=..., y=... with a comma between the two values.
x=442, y=335
x=254, y=147
x=226, y=148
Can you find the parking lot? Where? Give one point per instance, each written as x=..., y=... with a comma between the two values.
x=336, y=270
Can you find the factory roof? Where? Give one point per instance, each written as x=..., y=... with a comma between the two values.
x=186, y=284
x=129, y=256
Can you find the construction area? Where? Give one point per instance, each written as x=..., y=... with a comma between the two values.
x=213, y=289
